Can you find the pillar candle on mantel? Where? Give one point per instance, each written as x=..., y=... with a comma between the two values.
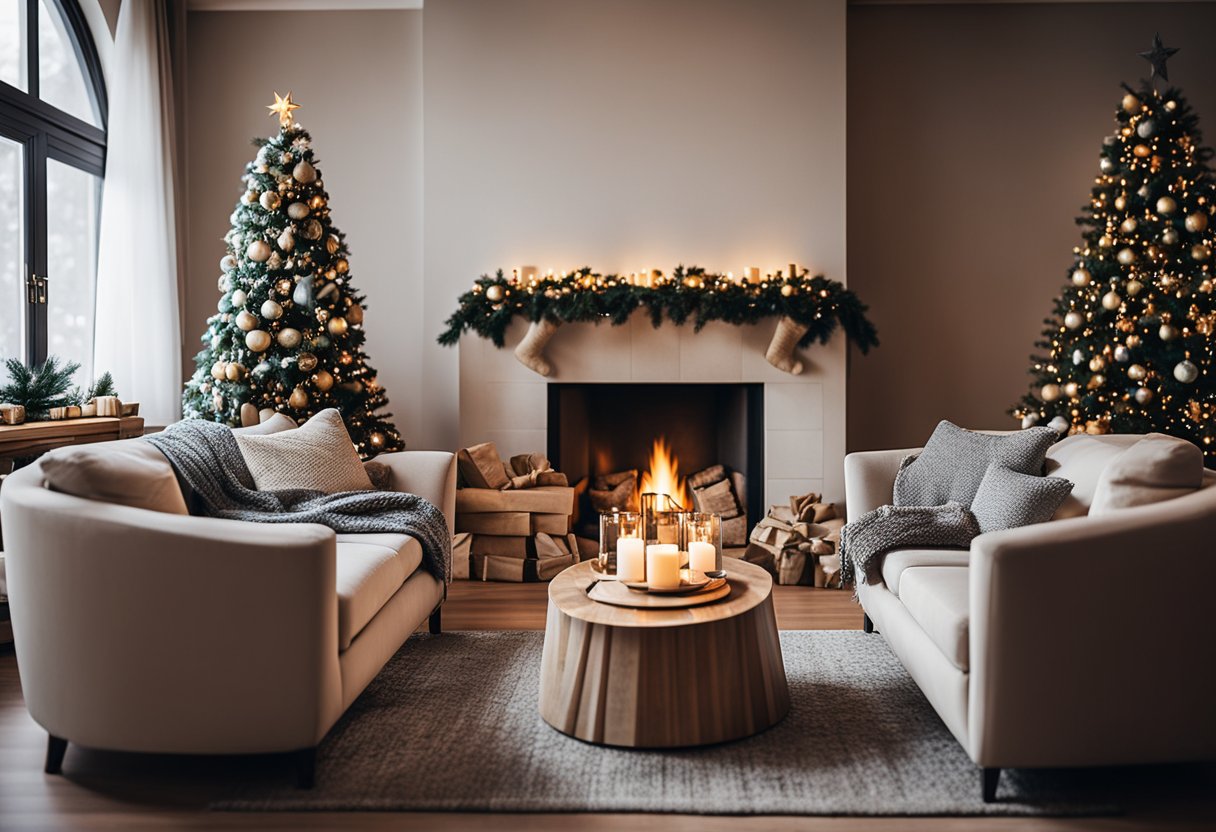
x=662, y=565
x=753, y=274
x=630, y=559
x=793, y=270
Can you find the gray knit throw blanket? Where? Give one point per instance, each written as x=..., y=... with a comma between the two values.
x=206, y=455
x=864, y=541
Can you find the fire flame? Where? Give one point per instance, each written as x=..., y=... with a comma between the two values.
x=664, y=474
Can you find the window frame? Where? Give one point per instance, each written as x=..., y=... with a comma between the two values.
x=46, y=132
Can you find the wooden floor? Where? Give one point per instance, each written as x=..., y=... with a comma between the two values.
x=107, y=791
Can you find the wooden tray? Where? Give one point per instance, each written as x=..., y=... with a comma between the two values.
x=619, y=595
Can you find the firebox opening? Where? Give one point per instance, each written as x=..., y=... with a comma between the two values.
x=598, y=430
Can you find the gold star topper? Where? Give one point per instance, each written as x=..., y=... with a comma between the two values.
x=282, y=107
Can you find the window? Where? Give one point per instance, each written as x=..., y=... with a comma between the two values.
x=52, y=156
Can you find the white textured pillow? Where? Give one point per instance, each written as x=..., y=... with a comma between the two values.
x=1156, y=468
x=318, y=456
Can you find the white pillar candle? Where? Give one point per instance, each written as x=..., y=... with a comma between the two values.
x=702, y=556
x=753, y=274
x=663, y=565
x=631, y=559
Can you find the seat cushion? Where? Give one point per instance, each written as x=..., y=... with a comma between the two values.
x=370, y=570
x=1081, y=458
x=895, y=562
x=938, y=598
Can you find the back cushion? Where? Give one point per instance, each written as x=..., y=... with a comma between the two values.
x=275, y=424
x=1081, y=458
x=128, y=472
x=1156, y=468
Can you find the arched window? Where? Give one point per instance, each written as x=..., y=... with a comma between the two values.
x=52, y=156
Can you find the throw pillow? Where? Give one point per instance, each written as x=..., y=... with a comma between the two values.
x=277, y=423
x=954, y=460
x=318, y=456
x=1007, y=499
x=127, y=472
x=380, y=475
x=1156, y=468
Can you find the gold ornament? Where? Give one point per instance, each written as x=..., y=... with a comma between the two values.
x=1111, y=300
x=298, y=398
x=1136, y=372
x=337, y=326
x=1071, y=389
x=297, y=210
x=257, y=340
x=1097, y=364
x=1200, y=252
x=1050, y=392
x=1128, y=225
x=289, y=337
x=235, y=371
x=283, y=107
x=1126, y=256
x=1105, y=241
x=1081, y=277
x=376, y=438
x=332, y=243
x=1073, y=320
x=270, y=200
x=246, y=320
x=317, y=201
x=1166, y=205
x=283, y=286
x=307, y=361
x=1169, y=236
x=1096, y=381
x=1167, y=332
x=258, y=251
x=354, y=315
x=786, y=290
x=1132, y=341
x=287, y=243
x=304, y=173
x=495, y=293
x=1120, y=202
x=341, y=266
x=217, y=371
x=311, y=230
x=1143, y=395
x=1133, y=287
x=1196, y=222
x=323, y=380
x=217, y=401
x=271, y=311
x=1141, y=151
x=1131, y=104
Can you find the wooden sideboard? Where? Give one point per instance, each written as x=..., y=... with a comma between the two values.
x=34, y=438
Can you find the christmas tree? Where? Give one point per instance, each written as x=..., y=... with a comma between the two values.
x=288, y=336
x=1129, y=346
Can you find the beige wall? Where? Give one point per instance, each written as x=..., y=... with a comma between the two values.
x=623, y=135
x=358, y=76
x=973, y=139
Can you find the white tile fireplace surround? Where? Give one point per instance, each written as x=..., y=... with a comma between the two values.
x=804, y=415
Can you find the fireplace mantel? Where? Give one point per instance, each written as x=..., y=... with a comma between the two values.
x=804, y=415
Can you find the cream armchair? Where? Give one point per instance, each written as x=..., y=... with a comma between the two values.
x=1077, y=642
x=145, y=631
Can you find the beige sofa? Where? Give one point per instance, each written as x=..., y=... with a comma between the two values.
x=1083, y=641
x=140, y=630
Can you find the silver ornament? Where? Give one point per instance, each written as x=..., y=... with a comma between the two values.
x=1143, y=395
x=1072, y=320
x=1107, y=165
x=297, y=210
x=302, y=294
x=1122, y=354
x=1186, y=372
x=1078, y=357
x=1145, y=128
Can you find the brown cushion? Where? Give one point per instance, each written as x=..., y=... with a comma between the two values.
x=128, y=472
x=318, y=455
x=1156, y=468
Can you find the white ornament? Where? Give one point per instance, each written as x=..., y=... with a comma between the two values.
x=227, y=263
x=271, y=311
x=287, y=240
x=289, y=337
x=258, y=251
x=1081, y=277
x=1136, y=372
x=297, y=210
x=263, y=367
x=1071, y=389
x=1111, y=300
x=239, y=297
x=1166, y=205
x=1122, y=354
x=1167, y=332
x=1078, y=357
x=304, y=173
x=1050, y=392
x=270, y=200
x=1073, y=320
x=1059, y=424
x=1126, y=256
x=1186, y=372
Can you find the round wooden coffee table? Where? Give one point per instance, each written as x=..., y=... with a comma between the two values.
x=662, y=678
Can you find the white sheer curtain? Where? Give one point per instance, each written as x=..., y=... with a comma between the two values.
x=138, y=331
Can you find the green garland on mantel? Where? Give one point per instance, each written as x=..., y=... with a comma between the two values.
x=819, y=304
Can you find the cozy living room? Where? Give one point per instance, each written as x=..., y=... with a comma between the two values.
x=656, y=414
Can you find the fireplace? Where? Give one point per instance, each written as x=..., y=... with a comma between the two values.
x=598, y=429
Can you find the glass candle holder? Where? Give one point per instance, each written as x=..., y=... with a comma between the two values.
x=622, y=549
x=703, y=533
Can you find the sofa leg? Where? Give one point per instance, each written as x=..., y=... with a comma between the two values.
x=56, y=747
x=867, y=624
x=991, y=776
x=436, y=621
x=306, y=767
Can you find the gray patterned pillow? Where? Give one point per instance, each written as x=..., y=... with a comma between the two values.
x=1007, y=499
x=954, y=461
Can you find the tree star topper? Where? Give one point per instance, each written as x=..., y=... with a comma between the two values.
x=282, y=107
x=1157, y=56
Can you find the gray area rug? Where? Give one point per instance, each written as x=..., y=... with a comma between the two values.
x=451, y=723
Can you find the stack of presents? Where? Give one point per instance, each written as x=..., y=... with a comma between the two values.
x=798, y=542
x=512, y=518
